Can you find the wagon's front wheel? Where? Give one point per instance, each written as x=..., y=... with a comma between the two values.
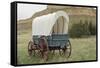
x=67, y=49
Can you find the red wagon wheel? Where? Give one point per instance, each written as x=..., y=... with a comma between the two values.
x=44, y=47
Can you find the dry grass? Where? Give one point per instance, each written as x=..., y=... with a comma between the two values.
x=82, y=49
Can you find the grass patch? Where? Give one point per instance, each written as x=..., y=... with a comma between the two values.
x=82, y=49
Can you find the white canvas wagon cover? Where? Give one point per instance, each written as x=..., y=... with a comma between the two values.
x=43, y=25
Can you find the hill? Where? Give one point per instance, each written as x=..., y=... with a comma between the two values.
x=72, y=11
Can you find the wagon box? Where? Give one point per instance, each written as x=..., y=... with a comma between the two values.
x=54, y=39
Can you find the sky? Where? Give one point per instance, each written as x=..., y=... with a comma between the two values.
x=25, y=11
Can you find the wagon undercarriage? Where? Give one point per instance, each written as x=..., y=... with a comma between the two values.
x=56, y=43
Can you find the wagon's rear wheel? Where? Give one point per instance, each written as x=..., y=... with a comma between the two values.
x=67, y=49
x=30, y=48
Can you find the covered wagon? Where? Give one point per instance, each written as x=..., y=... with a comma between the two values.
x=54, y=27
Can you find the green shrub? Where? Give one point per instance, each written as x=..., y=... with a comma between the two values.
x=92, y=28
x=82, y=29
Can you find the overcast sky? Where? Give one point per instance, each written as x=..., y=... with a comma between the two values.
x=25, y=11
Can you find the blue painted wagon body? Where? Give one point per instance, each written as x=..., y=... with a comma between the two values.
x=55, y=40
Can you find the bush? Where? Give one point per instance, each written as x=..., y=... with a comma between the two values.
x=82, y=29
x=92, y=28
